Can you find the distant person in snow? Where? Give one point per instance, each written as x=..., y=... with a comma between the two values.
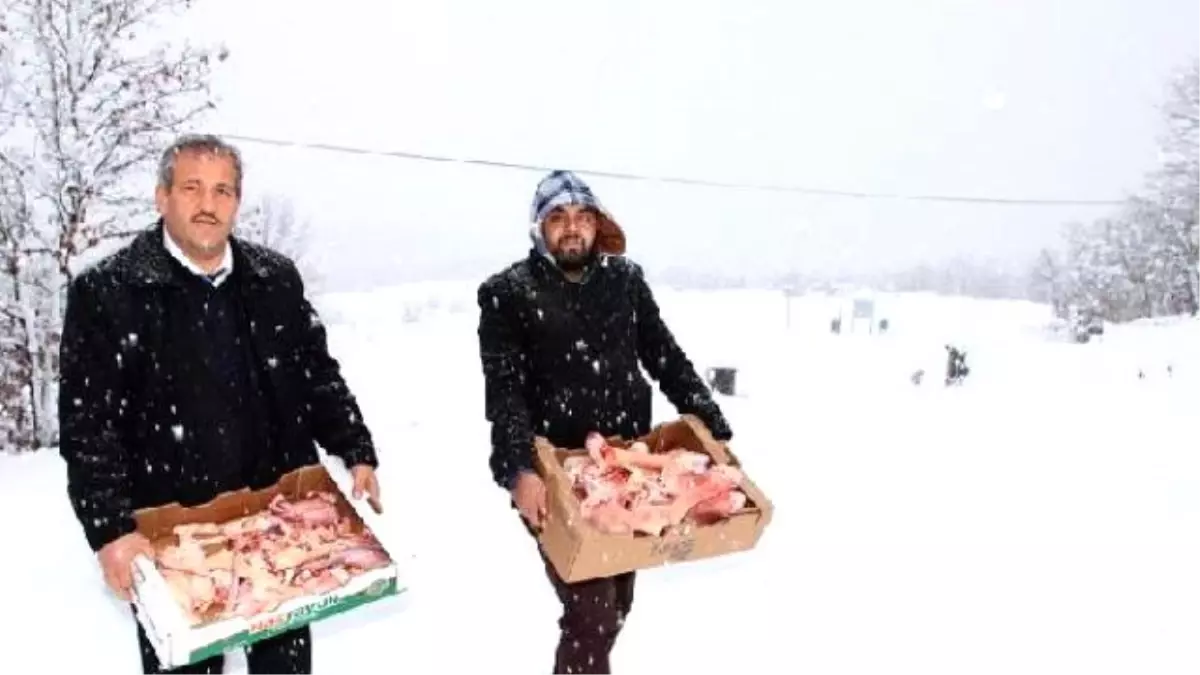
x=561, y=334
x=192, y=364
x=956, y=365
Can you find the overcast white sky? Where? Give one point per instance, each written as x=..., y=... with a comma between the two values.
x=1009, y=98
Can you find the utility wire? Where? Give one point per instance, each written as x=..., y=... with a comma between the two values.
x=675, y=179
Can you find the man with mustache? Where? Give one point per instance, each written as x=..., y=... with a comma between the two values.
x=192, y=364
x=561, y=336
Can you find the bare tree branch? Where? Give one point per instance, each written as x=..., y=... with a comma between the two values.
x=271, y=221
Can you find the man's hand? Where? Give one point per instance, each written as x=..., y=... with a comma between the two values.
x=530, y=496
x=116, y=561
x=366, y=483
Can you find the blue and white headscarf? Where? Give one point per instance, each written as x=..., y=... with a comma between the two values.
x=560, y=188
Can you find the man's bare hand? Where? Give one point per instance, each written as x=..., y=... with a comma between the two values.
x=116, y=561
x=530, y=496
x=366, y=483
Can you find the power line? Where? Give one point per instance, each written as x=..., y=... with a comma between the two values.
x=345, y=149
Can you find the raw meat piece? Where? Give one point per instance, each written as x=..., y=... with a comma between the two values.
x=188, y=556
x=252, y=565
x=631, y=490
x=362, y=558
x=718, y=508
x=317, y=509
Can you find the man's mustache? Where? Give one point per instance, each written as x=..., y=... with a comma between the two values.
x=205, y=218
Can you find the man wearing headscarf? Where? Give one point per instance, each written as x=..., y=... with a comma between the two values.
x=561, y=335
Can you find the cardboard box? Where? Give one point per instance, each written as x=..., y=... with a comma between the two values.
x=178, y=643
x=579, y=552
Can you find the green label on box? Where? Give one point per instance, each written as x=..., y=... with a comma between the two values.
x=321, y=609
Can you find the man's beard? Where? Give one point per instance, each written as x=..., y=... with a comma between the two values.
x=574, y=261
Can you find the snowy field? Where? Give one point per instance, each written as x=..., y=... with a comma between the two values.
x=1042, y=518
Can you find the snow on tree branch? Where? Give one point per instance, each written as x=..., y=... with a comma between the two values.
x=1141, y=261
x=98, y=103
x=1183, y=118
x=90, y=93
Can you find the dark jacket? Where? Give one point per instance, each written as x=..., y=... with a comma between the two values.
x=131, y=412
x=561, y=359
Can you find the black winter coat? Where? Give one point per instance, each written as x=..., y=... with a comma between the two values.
x=561, y=359
x=129, y=411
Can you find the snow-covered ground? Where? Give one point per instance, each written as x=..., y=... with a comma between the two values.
x=1042, y=518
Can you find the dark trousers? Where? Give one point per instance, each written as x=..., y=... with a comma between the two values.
x=287, y=653
x=594, y=612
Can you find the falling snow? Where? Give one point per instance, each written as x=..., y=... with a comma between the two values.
x=858, y=551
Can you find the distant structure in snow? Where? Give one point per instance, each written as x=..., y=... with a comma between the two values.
x=1084, y=325
x=861, y=308
x=864, y=308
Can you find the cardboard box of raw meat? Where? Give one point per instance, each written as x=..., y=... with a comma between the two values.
x=581, y=550
x=271, y=560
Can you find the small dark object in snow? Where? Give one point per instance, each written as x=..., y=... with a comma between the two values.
x=883, y=325
x=835, y=326
x=1141, y=375
x=1169, y=370
x=722, y=380
x=956, y=365
x=917, y=376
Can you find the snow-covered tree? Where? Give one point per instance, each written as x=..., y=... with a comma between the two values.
x=1049, y=282
x=1170, y=208
x=271, y=220
x=1173, y=202
x=1181, y=161
x=91, y=99
x=1142, y=260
